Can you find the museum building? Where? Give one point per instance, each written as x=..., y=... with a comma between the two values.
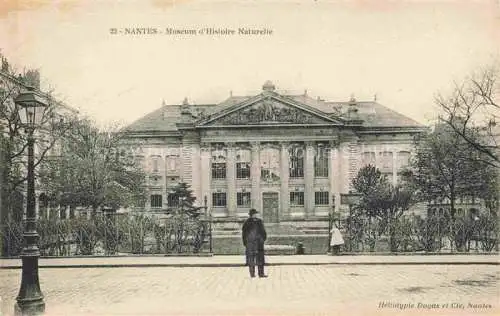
x=288, y=156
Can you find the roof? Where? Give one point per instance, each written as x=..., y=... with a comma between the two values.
x=19, y=83
x=372, y=114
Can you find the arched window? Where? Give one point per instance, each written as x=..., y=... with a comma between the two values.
x=172, y=164
x=321, y=160
x=296, y=155
x=270, y=164
x=219, y=164
x=368, y=158
x=243, y=164
x=155, y=164
x=403, y=159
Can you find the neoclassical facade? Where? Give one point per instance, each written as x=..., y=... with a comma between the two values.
x=288, y=156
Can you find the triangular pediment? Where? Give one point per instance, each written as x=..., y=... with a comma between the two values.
x=269, y=110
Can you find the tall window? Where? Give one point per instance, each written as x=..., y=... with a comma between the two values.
x=219, y=199
x=155, y=164
x=270, y=164
x=219, y=164
x=321, y=161
x=296, y=198
x=369, y=158
x=296, y=156
x=386, y=163
x=321, y=198
x=172, y=163
x=156, y=201
x=243, y=199
x=403, y=159
x=243, y=164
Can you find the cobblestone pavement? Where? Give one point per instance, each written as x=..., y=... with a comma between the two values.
x=289, y=290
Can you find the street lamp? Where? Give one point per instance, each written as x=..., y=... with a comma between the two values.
x=350, y=199
x=30, y=298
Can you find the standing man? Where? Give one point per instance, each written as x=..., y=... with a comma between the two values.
x=254, y=236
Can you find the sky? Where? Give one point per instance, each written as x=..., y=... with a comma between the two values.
x=404, y=52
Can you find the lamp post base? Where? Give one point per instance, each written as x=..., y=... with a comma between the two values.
x=29, y=308
x=30, y=299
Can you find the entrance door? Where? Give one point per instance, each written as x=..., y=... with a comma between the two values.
x=270, y=207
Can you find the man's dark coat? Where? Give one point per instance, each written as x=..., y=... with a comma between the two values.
x=254, y=236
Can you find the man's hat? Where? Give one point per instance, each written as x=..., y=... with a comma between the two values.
x=252, y=211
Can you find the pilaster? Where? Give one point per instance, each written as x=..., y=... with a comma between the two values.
x=255, y=176
x=231, y=179
x=309, y=179
x=344, y=167
x=196, y=174
x=205, y=172
x=285, y=175
x=335, y=173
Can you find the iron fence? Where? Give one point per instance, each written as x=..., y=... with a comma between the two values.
x=112, y=235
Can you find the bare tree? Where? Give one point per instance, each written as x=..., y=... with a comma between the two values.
x=13, y=140
x=94, y=169
x=472, y=110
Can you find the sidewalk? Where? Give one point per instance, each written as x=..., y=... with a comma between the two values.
x=237, y=261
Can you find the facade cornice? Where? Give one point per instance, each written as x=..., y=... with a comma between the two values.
x=268, y=95
x=384, y=130
x=153, y=134
x=277, y=125
x=262, y=140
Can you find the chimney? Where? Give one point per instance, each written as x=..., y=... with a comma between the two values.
x=352, y=111
x=32, y=78
x=186, y=115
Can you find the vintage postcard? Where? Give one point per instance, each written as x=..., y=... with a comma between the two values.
x=217, y=157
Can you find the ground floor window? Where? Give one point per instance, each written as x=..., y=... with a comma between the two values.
x=321, y=198
x=243, y=199
x=173, y=200
x=296, y=198
x=219, y=199
x=156, y=200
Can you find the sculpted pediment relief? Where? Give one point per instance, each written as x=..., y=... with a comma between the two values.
x=269, y=112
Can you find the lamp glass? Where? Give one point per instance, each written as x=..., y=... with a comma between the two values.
x=31, y=108
x=31, y=115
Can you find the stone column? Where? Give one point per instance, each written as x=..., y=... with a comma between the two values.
x=334, y=173
x=231, y=179
x=344, y=167
x=309, y=179
x=196, y=174
x=255, y=176
x=285, y=175
x=205, y=173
